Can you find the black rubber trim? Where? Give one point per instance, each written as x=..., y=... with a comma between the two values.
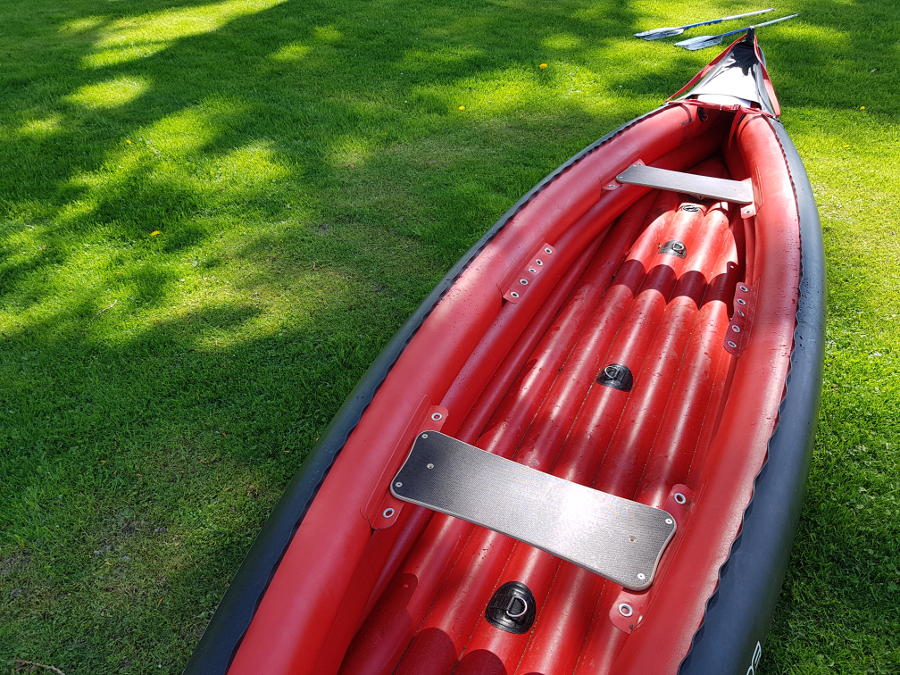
x=738, y=615
x=234, y=613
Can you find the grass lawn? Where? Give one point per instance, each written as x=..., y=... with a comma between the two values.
x=213, y=215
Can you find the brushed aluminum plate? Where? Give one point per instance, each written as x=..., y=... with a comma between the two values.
x=616, y=538
x=735, y=191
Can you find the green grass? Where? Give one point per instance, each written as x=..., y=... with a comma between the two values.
x=213, y=216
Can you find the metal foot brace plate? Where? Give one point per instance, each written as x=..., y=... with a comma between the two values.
x=735, y=191
x=617, y=538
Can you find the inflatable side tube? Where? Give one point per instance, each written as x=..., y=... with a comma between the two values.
x=738, y=615
x=234, y=613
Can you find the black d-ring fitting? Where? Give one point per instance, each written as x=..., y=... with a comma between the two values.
x=617, y=376
x=511, y=608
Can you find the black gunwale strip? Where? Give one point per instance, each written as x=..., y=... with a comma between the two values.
x=234, y=613
x=738, y=614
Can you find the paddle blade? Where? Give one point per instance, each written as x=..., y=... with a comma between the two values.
x=659, y=33
x=699, y=42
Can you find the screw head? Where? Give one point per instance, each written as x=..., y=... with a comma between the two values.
x=429, y=465
x=437, y=416
x=625, y=609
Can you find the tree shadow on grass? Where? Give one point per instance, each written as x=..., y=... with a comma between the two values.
x=308, y=189
x=311, y=176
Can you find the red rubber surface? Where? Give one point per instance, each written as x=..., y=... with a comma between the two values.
x=518, y=379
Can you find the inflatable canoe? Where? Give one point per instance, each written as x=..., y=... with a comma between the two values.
x=586, y=451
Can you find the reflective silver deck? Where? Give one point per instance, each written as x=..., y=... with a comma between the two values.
x=735, y=191
x=617, y=538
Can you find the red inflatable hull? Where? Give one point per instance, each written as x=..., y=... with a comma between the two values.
x=512, y=368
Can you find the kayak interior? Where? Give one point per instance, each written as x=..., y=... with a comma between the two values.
x=601, y=335
x=653, y=293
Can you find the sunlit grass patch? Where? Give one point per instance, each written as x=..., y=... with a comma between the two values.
x=350, y=151
x=177, y=23
x=188, y=130
x=252, y=165
x=327, y=33
x=141, y=36
x=113, y=56
x=82, y=24
x=291, y=52
x=44, y=126
x=109, y=94
x=562, y=41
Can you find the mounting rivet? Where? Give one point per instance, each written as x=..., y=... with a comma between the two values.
x=424, y=435
x=732, y=344
x=735, y=329
x=388, y=512
x=669, y=521
x=429, y=465
x=641, y=576
x=437, y=416
x=513, y=294
x=532, y=270
x=524, y=282
x=677, y=246
x=538, y=262
x=741, y=313
x=741, y=301
x=625, y=609
x=548, y=250
x=679, y=498
x=743, y=289
x=398, y=484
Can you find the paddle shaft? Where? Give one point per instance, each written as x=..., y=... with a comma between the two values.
x=726, y=18
x=703, y=41
x=659, y=33
x=759, y=25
